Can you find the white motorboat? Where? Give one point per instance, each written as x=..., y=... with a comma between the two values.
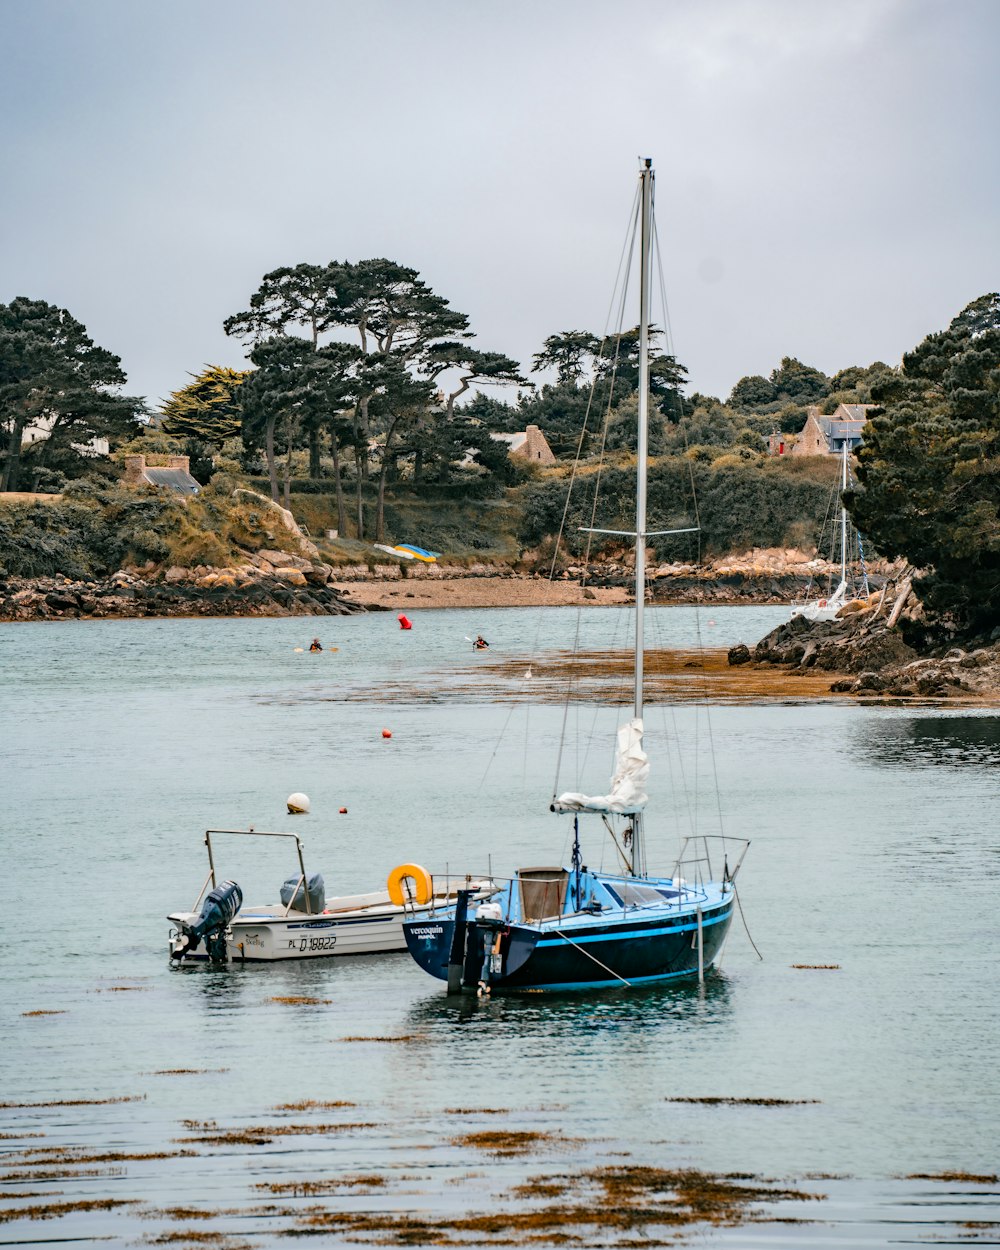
x=305, y=924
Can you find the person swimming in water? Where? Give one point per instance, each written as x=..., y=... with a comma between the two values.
x=315, y=645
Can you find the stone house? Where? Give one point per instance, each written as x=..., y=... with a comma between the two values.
x=170, y=472
x=824, y=435
x=528, y=444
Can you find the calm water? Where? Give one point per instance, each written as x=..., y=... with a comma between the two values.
x=874, y=849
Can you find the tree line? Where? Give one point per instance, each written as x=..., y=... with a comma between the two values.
x=362, y=377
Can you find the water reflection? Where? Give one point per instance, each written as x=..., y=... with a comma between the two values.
x=931, y=741
x=631, y=1014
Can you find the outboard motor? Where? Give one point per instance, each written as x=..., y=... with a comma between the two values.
x=489, y=921
x=217, y=912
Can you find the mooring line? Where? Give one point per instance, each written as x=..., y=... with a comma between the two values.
x=627, y=984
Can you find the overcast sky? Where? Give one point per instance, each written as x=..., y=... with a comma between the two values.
x=828, y=174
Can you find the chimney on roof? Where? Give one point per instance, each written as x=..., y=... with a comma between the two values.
x=179, y=462
x=135, y=467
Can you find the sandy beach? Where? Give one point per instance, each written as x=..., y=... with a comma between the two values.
x=475, y=592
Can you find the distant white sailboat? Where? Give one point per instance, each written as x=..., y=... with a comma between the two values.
x=827, y=608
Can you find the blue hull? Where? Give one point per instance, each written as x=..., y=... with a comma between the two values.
x=573, y=954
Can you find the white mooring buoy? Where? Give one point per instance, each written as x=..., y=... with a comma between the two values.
x=298, y=804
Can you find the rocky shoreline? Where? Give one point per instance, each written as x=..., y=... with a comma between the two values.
x=277, y=583
x=282, y=585
x=870, y=645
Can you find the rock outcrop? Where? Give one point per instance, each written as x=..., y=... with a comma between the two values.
x=247, y=590
x=872, y=644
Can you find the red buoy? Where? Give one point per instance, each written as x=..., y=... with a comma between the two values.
x=386, y=733
x=404, y=621
x=343, y=811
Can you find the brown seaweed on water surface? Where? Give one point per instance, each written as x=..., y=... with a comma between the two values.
x=602, y=1207
x=185, y=1071
x=263, y=1134
x=53, y=1210
x=300, y=1000
x=960, y=1178
x=199, y=1237
x=401, y=1037
x=313, y=1104
x=72, y=1102
x=504, y=1143
x=748, y=1102
x=330, y=1185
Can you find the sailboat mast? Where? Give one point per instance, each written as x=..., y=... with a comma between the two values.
x=642, y=446
x=646, y=181
x=843, y=516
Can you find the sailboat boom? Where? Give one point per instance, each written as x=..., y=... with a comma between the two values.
x=648, y=534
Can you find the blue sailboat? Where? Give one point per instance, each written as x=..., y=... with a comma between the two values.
x=570, y=928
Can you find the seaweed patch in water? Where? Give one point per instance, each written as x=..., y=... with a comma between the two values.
x=11, y=1194
x=748, y=1102
x=818, y=967
x=962, y=1178
x=72, y=1102
x=120, y=989
x=43, y=1012
x=331, y=1185
x=401, y=1037
x=186, y=1213
x=262, y=1134
x=604, y=1206
x=477, y=1110
x=313, y=1104
x=300, y=1000
x=54, y=1210
x=73, y=1155
x=185, y=1071
x=199, y=1237
x=504, y=1143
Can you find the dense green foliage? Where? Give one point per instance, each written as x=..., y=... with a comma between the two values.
x=363, y=382
x=54, y=378
x=738, y=505
x=208, y=408
x=930, y=467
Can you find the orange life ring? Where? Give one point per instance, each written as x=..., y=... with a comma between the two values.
x=822, y=603
x=422, y=881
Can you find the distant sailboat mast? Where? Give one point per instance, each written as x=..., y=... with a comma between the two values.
x=843, y=515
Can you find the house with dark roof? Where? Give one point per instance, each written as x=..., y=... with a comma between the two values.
x=173, y=473
x=824, y=435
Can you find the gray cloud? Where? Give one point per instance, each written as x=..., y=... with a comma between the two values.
x=827, y=175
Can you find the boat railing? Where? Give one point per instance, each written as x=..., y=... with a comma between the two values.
x=485, y=883
x=694, y=863
x=255, y=833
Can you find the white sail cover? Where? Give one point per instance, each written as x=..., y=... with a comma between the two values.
x=628, y=785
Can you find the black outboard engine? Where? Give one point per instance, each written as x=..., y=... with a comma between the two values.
x=217, y=912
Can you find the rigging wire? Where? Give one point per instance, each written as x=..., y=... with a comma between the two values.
x=621, y=292
x=624, y=264
x=746, y=927
x=705, y=709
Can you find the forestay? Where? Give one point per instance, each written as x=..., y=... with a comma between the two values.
x=628, y=785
